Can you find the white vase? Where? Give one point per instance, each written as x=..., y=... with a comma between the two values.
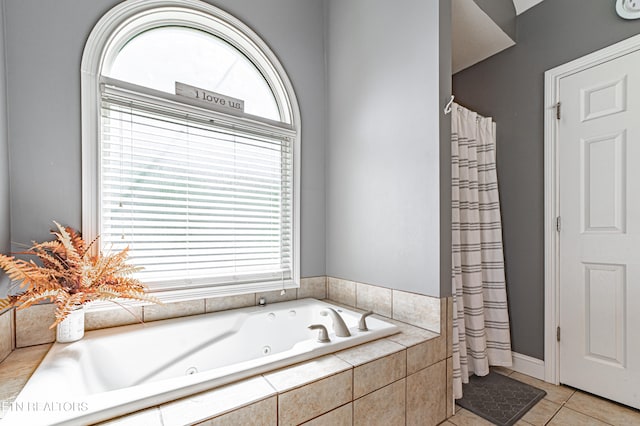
x=72, y=327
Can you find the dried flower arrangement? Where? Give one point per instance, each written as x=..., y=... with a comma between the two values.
x=70, y=275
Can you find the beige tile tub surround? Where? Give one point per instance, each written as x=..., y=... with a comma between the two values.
x=410, y=335
x=216, y=304
x=375, y=365
x=32, y=325
x=426, y=353
x=16, y=369
x=449, y=324
x=385, y=406
x=216, y=402
x=315, y=287
x=115, y=316
x=425, y=391
x=157, y=312
x=416, y=309
x=362, y=354
x=341, y=416
x=342, y=291
x=304, y=403
x=150, y=416
x=319, y=391
x=7, y=336
x=450, y=402
x=379, y=373
x=292, y=377
x=261, y=413
x=348, y=387
x=372, y=298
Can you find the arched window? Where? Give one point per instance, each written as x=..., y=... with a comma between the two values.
x=190, y=150
x=159, y=57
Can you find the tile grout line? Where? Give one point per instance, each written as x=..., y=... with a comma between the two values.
x=355, y=290
x=277, y=407
x=556, y=413
x=406, y=389
x=585, y=414
x=392, y=304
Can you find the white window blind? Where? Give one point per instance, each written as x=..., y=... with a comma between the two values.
x=200, y=198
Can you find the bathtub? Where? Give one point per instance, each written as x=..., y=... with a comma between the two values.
x=115, y=371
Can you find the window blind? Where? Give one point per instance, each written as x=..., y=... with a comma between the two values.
x=199, y=199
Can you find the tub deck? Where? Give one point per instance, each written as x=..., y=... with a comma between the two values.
x=146, y=382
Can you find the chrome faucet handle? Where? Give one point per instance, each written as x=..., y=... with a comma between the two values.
x=323, y=336
x=362, y=325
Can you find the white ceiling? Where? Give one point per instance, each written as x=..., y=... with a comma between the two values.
x=474, y=36
x=522, y=5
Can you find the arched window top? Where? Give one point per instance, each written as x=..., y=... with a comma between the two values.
x=133, y=25
x=159, y=57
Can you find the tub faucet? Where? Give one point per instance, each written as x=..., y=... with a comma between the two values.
x=339, y=327
x=362, y=325
x=323, y=336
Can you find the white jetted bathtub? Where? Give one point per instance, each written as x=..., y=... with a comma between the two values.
x=116, y=371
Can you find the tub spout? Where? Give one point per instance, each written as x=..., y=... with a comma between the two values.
x=362, y=326
x=323, y=336
x=339, y=327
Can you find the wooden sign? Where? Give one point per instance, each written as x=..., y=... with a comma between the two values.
x=209, y=97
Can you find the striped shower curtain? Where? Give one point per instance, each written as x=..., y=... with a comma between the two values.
x=480, y=316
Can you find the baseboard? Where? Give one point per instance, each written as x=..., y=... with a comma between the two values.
x=527, y=365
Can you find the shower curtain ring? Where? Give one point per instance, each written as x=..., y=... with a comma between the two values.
x=447, y=109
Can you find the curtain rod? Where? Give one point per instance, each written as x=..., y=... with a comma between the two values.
x=449, y=107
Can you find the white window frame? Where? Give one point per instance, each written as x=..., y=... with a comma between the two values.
x=109, y=35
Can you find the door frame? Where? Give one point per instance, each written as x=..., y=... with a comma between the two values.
x=552, y=79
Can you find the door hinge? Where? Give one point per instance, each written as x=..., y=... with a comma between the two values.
x=558, y=333
x=558, y=223
x=558, y=111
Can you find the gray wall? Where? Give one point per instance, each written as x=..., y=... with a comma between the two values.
x=387, y=213
x=502, y=12
x=445, y=87
x=5, y=223
x=383, y=153
x=510, y=88
x=45, y=40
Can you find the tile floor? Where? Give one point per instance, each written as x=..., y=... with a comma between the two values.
x=562, y=406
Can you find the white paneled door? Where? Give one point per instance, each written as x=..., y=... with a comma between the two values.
x=599, y=199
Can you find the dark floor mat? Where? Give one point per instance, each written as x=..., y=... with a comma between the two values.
x=498, y=398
